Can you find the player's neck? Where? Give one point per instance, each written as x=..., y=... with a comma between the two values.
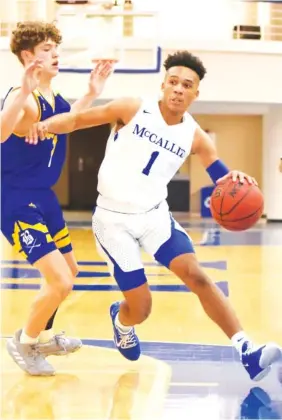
x=169, y=117
x=45, y=85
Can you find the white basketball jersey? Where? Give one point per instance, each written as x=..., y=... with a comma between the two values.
x=141, y=159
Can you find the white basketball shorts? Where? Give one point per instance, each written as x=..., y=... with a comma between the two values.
x=119, y=238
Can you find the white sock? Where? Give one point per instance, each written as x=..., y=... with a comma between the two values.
x=26, y=339
x=122, y=328
x=46, y=336
x=238, y=340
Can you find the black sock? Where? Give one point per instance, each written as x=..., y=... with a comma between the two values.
x=51, y=321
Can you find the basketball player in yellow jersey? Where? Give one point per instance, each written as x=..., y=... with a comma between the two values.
x=31, y=217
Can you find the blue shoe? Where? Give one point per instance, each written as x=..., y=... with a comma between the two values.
x=258, y=360
x=126, y=343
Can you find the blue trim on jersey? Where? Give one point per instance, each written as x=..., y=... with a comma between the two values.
x=66, y=249
x=4, y=100
x=178, y=244
x=127, y=280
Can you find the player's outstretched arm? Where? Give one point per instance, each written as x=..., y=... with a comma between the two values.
x=17, y=103
x=119, y=110
x=205, y=148
x=97, y=80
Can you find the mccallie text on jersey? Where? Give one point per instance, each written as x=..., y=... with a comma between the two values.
x=159, y=141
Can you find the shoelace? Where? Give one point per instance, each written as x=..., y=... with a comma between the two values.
x=250, y=349
x=33, y=353
x=127, y=341
x=60, y=340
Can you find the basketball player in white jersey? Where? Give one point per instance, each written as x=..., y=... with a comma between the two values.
x=150, y=141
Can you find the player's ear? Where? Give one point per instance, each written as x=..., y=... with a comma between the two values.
x=162, y=86
x=26, y=56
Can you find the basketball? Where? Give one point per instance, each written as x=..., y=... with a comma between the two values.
x=236, y=206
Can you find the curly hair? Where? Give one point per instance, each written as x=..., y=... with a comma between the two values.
x=28, y=35
x=185, y=59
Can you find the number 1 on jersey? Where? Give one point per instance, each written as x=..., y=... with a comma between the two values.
x=149, y=165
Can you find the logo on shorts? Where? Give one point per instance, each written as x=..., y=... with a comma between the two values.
x=29, y=241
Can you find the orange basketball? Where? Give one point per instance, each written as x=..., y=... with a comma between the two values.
x=235, y=205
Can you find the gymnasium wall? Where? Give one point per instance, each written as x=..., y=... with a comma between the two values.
x=239, y=144
x=242, y=85
x=232, y=76
x=251, y=75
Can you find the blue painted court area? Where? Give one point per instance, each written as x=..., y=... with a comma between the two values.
x=22, y=274
x=219, y=265
x=223, y=286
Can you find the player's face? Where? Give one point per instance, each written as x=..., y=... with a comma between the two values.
x=180, y=89
x=48, y=52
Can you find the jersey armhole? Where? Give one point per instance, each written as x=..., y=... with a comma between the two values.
x=136, y=113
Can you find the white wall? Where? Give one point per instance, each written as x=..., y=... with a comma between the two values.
x=234, y=75
x=238, y=70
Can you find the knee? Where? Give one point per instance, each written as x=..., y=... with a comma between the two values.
x=195, y=278
x=141, y=311
x=62, y=284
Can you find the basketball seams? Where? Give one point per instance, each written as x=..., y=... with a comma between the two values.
x=236, y=204
x=243, y=218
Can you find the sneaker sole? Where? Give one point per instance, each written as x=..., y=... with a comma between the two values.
x=270, y=355
x=10, y=348
x=262, y=374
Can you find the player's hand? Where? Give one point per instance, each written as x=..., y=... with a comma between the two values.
x=37, y=132
x=235, y=175
x=99, y=76
x=31, y=77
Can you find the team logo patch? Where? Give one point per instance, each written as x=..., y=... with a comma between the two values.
x=30, y=239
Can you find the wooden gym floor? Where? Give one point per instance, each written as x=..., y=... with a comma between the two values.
x=188, y=369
